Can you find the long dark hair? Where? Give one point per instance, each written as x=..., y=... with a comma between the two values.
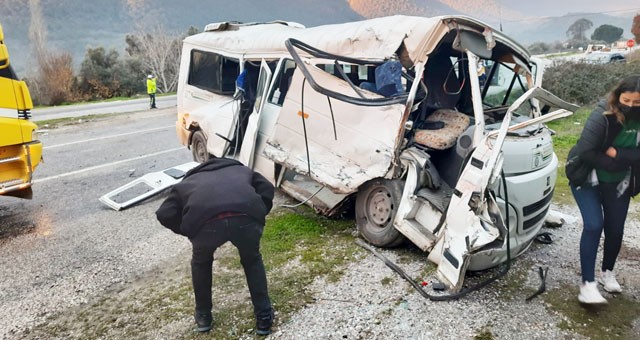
x=629, y=84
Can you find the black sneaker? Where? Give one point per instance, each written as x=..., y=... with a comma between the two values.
x=263, y=324
x=203, y=322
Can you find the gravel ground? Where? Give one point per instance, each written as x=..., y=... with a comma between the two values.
x=371, y=301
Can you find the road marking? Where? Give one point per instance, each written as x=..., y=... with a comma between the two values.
x=96, y=167
x=107, y=137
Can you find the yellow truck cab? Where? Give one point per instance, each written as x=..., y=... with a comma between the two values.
x=20, y=150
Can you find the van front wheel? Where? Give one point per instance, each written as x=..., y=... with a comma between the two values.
x=199, y=147
x=376, y=207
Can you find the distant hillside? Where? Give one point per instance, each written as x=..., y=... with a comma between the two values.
x=490, y=11
x=74, y=25
x=554, y=29
x=379, y=8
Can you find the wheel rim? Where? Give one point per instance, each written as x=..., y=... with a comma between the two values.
x=380, y=207
x=200, y=151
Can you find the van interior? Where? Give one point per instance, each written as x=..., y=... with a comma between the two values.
x=443, y=117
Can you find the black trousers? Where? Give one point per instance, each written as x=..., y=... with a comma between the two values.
x=152, y=100
x=243, y=232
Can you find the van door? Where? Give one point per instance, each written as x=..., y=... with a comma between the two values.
x=247, y=150
x=337, y=144
x=473, y=219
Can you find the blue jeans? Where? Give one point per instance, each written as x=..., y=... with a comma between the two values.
x=244, y=232
x=601, y=209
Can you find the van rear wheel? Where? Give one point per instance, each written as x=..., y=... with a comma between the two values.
x=376, y=207
x=199, y=147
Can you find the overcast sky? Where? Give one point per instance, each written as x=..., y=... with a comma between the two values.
x=561, y=7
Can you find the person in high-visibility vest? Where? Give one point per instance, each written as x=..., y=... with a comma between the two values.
x=151, y=90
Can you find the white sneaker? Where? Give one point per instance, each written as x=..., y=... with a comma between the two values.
x=608, y=281
x=589, y=293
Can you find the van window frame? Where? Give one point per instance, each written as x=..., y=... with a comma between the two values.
x=278, y=86
x=227, y=68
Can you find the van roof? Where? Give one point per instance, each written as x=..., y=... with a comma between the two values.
x=373, y=39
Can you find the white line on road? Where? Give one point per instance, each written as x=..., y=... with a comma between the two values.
x=96, y=167
x=106, y=137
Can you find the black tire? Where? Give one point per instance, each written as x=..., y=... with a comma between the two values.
x=376, y=207
x=199, y=147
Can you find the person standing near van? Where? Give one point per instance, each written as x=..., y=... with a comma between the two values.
x=604, y=173
x=151, y=90
x=218, y=201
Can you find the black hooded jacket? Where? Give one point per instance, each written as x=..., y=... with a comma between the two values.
x=216, y=186
x=597, y=136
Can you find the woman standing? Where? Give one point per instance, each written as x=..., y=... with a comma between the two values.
x=604, y=173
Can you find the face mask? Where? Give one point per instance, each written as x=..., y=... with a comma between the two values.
x=630, y=112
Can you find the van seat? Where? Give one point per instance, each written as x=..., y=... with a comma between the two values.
x=455, y=123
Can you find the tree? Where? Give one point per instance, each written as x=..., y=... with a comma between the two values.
x=577, y=30
x=157, y=51
x=52, y=81
x=635, y=28
x=158, y=54
x=608, y=33
x=99, y=73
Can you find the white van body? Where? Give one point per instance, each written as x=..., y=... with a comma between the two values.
x=427, y=162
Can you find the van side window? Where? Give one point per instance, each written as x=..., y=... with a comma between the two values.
x=282, y=83
x=357, y=74
x=213, y=72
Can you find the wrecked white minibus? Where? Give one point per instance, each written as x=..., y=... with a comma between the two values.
x=387, y=116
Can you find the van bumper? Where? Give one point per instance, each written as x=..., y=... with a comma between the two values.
x=529, y=197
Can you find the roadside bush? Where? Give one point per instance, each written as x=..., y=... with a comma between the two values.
x=104, y=75
x=538, y=47
x=54, y=83
x=97, y=73
x=584, y=83
x=633, y=56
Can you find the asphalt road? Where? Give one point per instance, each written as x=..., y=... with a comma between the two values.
x=64, y=247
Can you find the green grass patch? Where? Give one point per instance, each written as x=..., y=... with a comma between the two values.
x=386, y=281
x=484, y=334
x=512, y=285
x=297, y=248
x=614, y=320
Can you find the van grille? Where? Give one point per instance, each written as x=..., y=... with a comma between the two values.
x=532, y=208
x=534, y=220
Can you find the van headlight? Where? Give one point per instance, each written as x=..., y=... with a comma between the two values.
x=34, y=135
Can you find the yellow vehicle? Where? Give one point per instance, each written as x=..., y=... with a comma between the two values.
x=20, y=150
